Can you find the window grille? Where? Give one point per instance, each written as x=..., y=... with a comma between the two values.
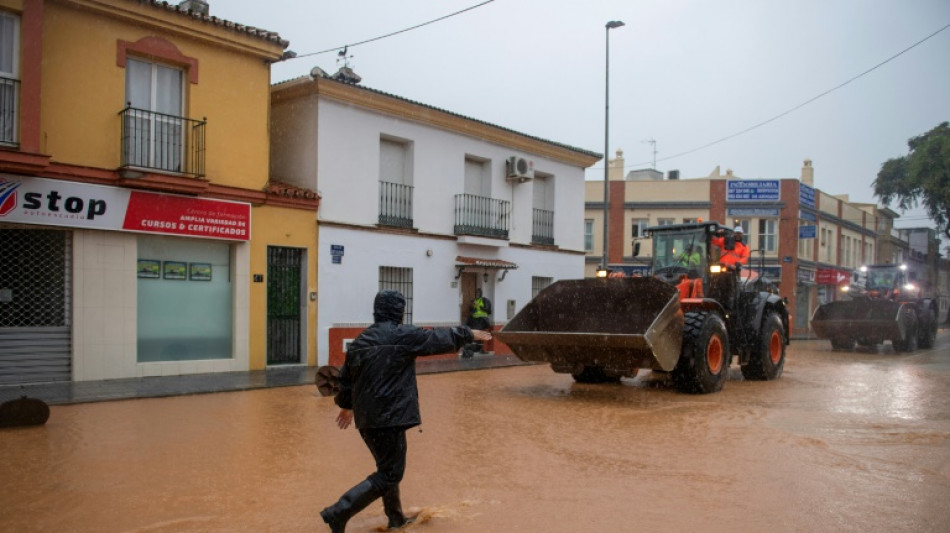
x=538, y=284
x=35, y=288
x=398, y=279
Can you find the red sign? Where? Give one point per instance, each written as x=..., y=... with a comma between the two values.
x=832, y=276
x=30, y=200
x=180, y=215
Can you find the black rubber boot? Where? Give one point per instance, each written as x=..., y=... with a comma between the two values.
x=393, y=508
x=352, y=502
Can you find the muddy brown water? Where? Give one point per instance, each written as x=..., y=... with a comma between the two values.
x=842, y=442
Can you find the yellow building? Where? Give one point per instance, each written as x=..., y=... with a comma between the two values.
x=140, y=234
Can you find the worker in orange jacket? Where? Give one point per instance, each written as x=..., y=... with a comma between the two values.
x=739, y=255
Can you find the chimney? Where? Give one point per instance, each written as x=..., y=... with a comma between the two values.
x=729, y=173
x=808, y=174
x=615, y=167
x=195, y=6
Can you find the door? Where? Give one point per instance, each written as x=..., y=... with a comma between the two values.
x=286, y=305
x=467, y=288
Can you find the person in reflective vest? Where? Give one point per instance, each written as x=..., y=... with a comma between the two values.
x=479, y=318
x=738, y=255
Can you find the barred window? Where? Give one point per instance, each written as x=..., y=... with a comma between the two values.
x=398, y=279
x=538, y=284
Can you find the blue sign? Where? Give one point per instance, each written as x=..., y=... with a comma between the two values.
x=759, y=212
x=336, y=259
x=752, y=191
x=807, y=232
x=336, y=249
x=811, y=217
x=806, y=195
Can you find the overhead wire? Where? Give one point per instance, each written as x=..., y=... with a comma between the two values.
x=344, y=47
x=799, y=106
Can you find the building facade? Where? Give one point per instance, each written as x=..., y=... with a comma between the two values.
x=140, y=234
x=424, y=201
x=807, y=241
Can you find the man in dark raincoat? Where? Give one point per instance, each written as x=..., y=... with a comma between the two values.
x=379, y=392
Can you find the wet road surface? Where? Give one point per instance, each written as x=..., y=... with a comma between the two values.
x=843, y=442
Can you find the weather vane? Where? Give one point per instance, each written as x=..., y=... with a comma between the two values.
x=341, y=56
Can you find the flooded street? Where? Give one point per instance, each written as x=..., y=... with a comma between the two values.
x=856, y=441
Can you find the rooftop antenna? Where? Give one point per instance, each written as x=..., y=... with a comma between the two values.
x=652, y=142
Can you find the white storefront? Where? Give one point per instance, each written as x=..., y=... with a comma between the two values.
x=102, y=282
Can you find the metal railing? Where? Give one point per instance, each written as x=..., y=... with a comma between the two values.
x=395, y=204
x=163, y=142
x=542, y=226
x=478, y=215
x=9, y=111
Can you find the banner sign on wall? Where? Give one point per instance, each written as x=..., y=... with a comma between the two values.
x=28, y=200
x=806, y=195
x=832, y=276
x=752, y=191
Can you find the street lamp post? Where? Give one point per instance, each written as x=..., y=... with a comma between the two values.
x=610, y=25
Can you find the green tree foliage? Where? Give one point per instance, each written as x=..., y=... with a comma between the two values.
x=922, y=177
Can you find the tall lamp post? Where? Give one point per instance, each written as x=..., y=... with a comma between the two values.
x=610, y=25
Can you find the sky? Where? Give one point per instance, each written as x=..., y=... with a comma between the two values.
x=682, y=73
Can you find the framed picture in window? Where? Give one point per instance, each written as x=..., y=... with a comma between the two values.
x=175, y=270
x=199, y=271
x=149, y=269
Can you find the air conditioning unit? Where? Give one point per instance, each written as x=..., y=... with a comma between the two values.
x=520, y=169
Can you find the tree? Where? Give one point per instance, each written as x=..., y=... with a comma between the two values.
x=920, y=177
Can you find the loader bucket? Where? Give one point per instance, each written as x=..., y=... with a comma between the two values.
x=618, y=324
x=865, y=321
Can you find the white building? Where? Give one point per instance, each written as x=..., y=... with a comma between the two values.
x=424, y=201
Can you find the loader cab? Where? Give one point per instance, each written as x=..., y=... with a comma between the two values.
x=680, y=251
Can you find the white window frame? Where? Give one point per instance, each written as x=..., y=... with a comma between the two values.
x=637, y=226
x=9, y=91
x=588, y=235
x=169, y=160
x=767, y=237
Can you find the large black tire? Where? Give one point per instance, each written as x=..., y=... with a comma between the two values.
x=909, y=342
x=704, y=360
x=768, y=359
x=593, y=374
x=842, y=343
x=927, y=328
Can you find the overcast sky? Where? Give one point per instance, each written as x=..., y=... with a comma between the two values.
x=684, y=73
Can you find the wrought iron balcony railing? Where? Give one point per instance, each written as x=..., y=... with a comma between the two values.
x=542, y=227
x=478, y=215
x=395, y=204
x=9, y=111
x=162, y=142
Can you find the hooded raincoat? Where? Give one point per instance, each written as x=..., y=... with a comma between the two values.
x=378, y=378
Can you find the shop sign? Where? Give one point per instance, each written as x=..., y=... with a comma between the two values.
x=807, y=232
x=806, y=195
x=807, y=276
x=757, y=212
x=832, y=276
x=48, y=202
x=752, y=191
x=805, y=215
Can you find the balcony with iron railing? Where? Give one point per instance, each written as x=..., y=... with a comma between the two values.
x=542, y=227
x=9, y=111
x=161, y=142
x=395, y=204
x=481, y=216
